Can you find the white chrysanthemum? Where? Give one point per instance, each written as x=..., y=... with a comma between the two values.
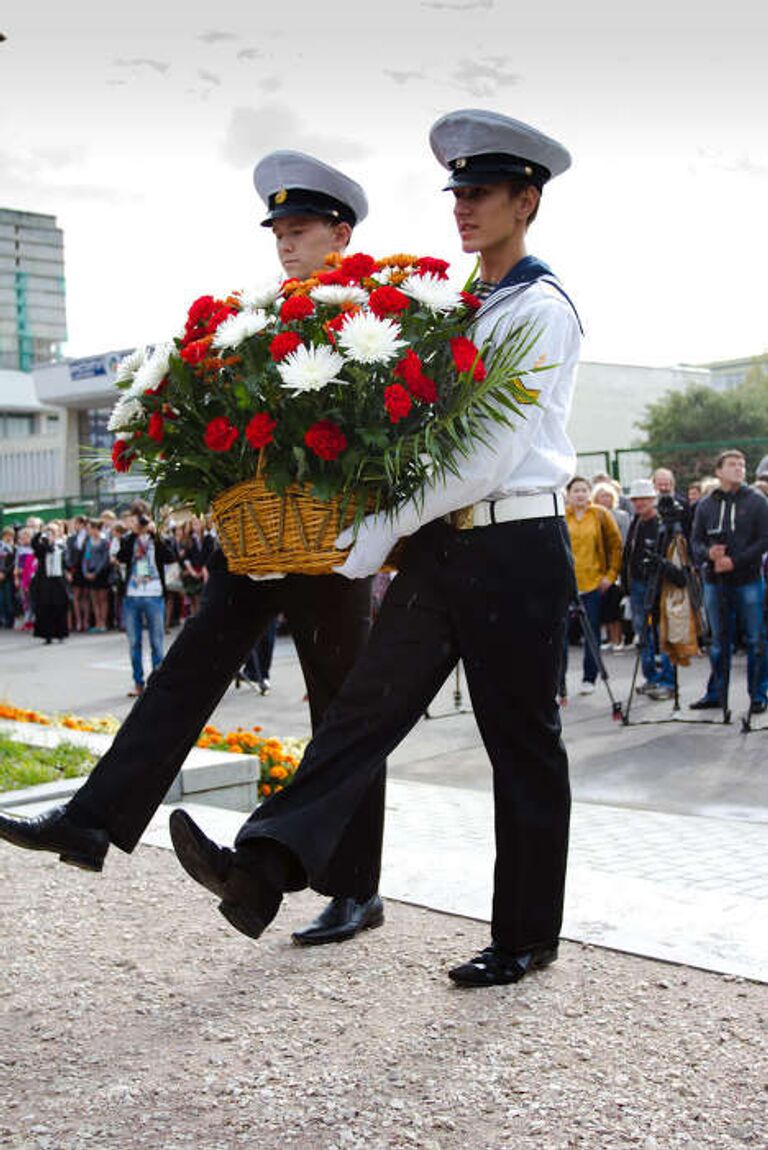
x=310, y=368
x=238, y=328
x=152, y=371
x=124, y=435
x=125, y=413
x=431, y=291
x=368, y=339
x=339, y=294
x=129, y=365
x=262, y=295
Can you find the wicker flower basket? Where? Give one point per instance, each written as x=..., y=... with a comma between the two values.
x=261, y=532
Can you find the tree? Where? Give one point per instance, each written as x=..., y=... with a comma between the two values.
x=686, y=429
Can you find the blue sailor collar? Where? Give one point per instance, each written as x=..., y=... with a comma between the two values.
x=527, y=271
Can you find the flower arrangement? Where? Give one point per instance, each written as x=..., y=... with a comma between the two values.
x=278, y=758
x=358, y=383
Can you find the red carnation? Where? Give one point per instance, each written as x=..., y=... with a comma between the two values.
x=325, y=439
x=409, y=367
x=472, y=301
x=464, y=355
x=156, y=428
x=397, y=402
x=358, y=266
x=223, y=311
x=259, y=430
x=424, y=389
x=200, y=311
x=428, y=265
x=122, y=457
x=336, y=278
x=297, y=307
x=283, y=344
x=332, y=326
x=220, y=434
x=196, y=351
x=388, y=301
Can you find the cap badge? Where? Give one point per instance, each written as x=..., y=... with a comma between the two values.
x=281, y=196
x=461, y=162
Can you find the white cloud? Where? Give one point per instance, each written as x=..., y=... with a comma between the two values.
x=254, y=131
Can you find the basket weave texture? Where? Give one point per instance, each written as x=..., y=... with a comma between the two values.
x=261, y=532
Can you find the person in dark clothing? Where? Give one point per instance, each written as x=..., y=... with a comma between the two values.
x=729, y=539
x=50, y=595
x=637, y=574
x=489, y=586
x=311, y=210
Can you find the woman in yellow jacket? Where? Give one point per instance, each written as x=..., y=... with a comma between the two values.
x=596, y=544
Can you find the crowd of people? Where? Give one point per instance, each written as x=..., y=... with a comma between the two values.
x=107, y=572
x=621, y=548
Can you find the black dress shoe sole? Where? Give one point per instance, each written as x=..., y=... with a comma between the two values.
x=244, y=919
x=342, y=934
x=190, y=851
x=83, y=861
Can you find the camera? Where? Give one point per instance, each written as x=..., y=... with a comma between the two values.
x=144, y=521
x=670, y=509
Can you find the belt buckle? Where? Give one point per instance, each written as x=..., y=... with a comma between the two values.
x=463, y=518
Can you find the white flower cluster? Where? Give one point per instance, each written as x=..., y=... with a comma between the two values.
x=310, y=368
x=152, y=370
x=367, y=339
x=337, y=295
x=237, y=328
x=262, y=295
x=436, y=294
x=127, y=411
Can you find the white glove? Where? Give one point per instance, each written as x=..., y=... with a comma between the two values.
x=370, y=547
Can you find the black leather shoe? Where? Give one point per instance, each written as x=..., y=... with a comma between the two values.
x=203, y=859
x=496, y=967
x=343, y=918
x=55, y=831
x=705, y=704
x=249, y=901
x=757, y=707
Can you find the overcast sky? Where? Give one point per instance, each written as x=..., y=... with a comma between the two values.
x=138, y=125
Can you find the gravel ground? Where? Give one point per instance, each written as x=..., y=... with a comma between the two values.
x=131, y=1015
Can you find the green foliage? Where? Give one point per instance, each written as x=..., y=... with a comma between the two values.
x=22, y=765
x=708, y=421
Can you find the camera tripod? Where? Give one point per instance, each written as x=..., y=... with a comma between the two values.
x=578, y=611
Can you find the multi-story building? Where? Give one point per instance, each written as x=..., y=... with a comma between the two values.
x=33, y=321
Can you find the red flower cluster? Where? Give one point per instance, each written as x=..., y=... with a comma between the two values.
x=409, y=369
x=325, y=439
x=122, y=456
x=428, y=265
x=283, y=344
x=259, y=430
x=388, y=301
x=196, y=351
x=472, y=301
x=464, y=355
x=204, y=316
x=332, y=326
x=296, y=307
x=220, y=434
x=397, y=402
x=156, y=427
x=358, y=266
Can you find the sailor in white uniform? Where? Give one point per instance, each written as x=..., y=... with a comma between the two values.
x=489, y=587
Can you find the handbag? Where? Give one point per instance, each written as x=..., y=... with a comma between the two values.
x=173, y=581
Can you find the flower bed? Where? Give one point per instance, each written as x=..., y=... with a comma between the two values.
x=277, y=758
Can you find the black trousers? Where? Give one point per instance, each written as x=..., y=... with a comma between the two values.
x=330, y=619
x=496, y=598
